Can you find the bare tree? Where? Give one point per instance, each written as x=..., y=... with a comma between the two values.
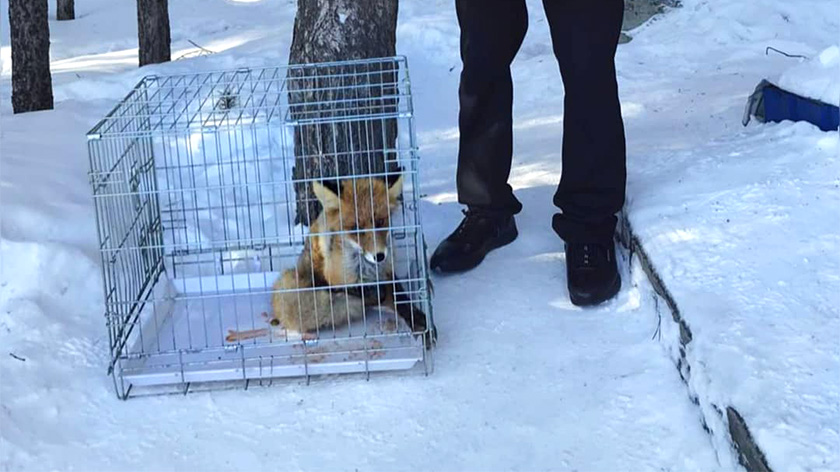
x=65, y=10
x=30, y=34
x=153, y=31
x=336, y=30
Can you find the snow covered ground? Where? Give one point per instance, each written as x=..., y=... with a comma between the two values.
x=741, y=222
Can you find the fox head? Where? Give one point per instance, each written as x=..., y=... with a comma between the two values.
x=361, y=209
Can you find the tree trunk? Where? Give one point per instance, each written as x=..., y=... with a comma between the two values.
x=65, y=10
x=337, y=30
x=30, y=34
x=153, y=31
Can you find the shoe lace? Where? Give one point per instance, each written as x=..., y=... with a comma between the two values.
x=473, y=220
x=589, y=256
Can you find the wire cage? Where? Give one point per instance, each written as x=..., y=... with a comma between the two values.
x=261, y=223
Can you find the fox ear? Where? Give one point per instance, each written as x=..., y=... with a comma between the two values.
x=327, y=196
x=395, y=188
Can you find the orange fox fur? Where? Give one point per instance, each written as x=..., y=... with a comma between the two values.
x=348, y=244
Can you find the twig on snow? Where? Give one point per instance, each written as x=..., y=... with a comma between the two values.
x=771, y=48
x=202, y=51
x=17, y=357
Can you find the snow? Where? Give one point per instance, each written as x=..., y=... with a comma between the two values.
x=741, y=222
x=754, y=270
x=817, y=78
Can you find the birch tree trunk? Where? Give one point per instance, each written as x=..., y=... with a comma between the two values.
x=338, y=30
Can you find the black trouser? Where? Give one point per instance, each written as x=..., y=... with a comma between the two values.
x=584, y=34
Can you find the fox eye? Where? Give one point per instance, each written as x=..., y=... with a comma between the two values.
x=379, y=222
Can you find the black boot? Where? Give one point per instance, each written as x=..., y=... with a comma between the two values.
x=591, y=272
x=480, y=232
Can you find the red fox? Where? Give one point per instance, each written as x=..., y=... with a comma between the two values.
x=348, y=244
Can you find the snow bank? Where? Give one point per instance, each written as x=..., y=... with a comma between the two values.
x=817, y=78
x=742, y=223
x=746, y=240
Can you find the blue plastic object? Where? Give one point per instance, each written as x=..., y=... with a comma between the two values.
x=771, y=103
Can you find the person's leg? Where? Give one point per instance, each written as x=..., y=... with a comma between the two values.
x=491, y=34
x=591, y=191
x=585, y=35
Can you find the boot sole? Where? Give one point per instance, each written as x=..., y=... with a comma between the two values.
x=502, y=240
x=608, y=294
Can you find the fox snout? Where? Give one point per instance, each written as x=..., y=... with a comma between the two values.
x=373, y=246
x=377, y=257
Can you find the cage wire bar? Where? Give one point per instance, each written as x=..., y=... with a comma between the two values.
x=195, y=180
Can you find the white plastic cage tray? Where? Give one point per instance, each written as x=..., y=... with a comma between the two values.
x=381, y=341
